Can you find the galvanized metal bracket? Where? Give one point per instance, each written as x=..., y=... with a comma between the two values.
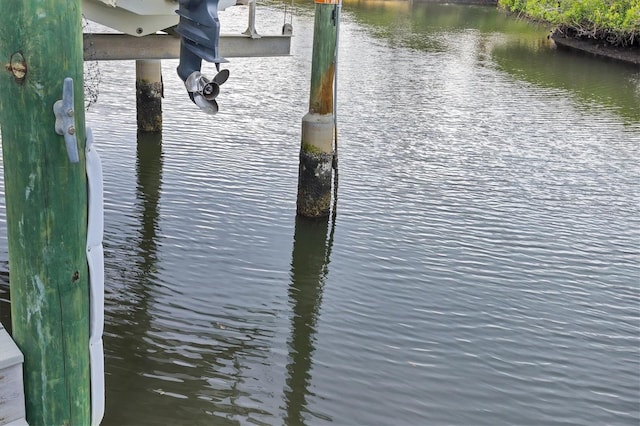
x=65, y=124
x=251, y=29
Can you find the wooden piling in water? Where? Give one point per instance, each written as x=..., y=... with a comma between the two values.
x=316, y=151
x=149, y=95
x=46, y=205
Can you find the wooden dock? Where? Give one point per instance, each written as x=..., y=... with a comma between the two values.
x=12, y=408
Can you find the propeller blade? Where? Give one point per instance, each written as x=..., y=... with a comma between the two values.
x=192, y=83
x=221, y=77
x=210, y=107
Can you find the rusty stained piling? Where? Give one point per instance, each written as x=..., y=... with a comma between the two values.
x=316, y=150
x=149, y=91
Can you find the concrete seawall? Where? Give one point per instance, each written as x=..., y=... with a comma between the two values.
x=597, y=48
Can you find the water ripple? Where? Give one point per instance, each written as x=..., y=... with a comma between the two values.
x=485, y=265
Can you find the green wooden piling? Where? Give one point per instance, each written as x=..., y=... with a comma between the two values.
x=46, y=202
x=316, y=151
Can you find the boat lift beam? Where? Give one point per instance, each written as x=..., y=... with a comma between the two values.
x=115, y=46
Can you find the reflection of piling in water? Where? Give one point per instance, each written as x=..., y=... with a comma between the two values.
x=149, y=168
x=128, y=333
x=149, y=95
x=309, y=263
x=141, y=340
x=149, y=177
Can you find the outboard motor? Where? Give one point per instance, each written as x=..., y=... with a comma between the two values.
x=199, y=28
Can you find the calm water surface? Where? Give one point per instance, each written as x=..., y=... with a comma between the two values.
x=484, y=266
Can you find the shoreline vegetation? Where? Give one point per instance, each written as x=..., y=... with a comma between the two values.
x=609, y=28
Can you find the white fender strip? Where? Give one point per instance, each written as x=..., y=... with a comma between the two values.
x=95, y=259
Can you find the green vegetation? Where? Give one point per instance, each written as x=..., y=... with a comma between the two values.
x=614, y=21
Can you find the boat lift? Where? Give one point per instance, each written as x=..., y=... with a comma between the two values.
x=188, y=30
x=147, y=31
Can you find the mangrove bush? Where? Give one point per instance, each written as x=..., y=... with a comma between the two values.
x=614, y=21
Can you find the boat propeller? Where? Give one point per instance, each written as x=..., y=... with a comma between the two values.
x=199, y=30
x=203, y=92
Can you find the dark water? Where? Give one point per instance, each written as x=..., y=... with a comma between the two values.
x=484, y=267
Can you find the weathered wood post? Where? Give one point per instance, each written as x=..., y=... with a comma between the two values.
x=149, y=95
x=46, y=203
x=316, y=151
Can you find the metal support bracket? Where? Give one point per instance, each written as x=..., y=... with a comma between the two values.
x=251, y=29
x=65, y=124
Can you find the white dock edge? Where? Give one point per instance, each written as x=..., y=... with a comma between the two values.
x=12, y=404
x=19, y=422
